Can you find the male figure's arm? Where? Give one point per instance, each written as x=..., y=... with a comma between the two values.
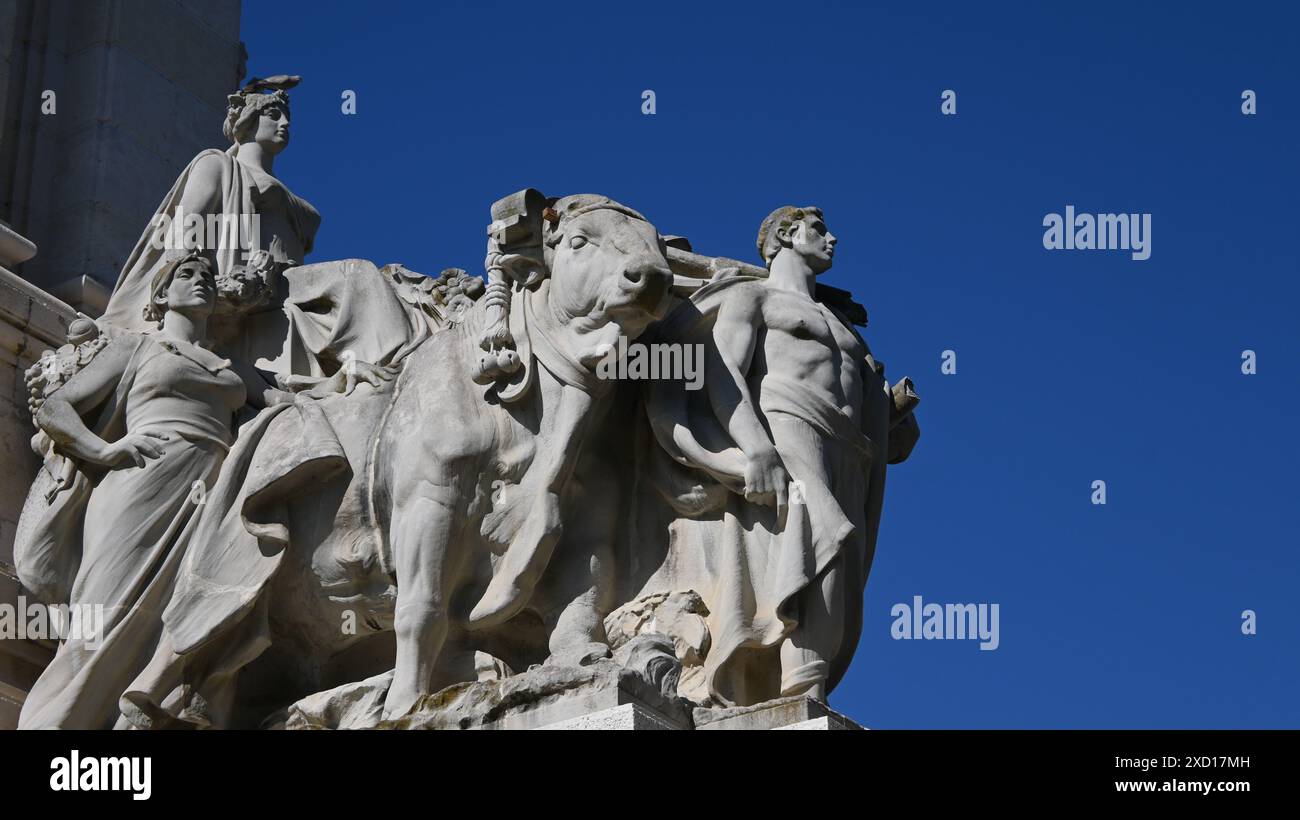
x=736, y=336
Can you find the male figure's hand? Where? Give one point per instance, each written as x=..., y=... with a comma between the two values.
x=766, y=480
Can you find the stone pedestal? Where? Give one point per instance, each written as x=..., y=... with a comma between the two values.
x=630, y=716
x=783, y=713
x=602, y=696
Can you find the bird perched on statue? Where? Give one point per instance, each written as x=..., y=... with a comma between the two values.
x=277, y=82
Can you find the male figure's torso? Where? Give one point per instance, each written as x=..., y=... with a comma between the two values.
x=802, y=342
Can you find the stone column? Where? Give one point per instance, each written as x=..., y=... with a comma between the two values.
x=139, y=87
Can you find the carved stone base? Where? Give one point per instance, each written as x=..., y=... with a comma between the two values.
x=782, y=713
x=643, y=675
x=544, y=696
x=603, y=696
x=629, y=716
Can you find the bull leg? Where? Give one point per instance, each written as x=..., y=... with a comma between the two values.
x=426, y=534
x=580, y=591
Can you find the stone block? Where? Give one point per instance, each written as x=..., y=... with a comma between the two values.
x=220, y=16
x=180, y=47
x=89, y=25
x=628, y=717
x=782, y=713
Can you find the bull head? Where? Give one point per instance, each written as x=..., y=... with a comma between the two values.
x=589, y=270
x=609, y=275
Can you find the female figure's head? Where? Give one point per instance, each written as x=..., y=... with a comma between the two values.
x=259, y=114
x=186, y=285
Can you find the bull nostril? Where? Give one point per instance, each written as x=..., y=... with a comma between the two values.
x=633, y=275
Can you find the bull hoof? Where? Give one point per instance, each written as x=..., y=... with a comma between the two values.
x=399, y=702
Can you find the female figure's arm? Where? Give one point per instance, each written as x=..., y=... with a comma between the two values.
x=60, y=415
x=202, y=193
x=261, y=392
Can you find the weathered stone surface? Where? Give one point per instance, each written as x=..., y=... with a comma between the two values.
x=782, y=713
x=821, y=724
x=628, y=717
x=351, y=706
x=643, y=676
x=679, y=616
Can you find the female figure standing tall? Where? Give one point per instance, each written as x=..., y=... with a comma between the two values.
x=163, y=407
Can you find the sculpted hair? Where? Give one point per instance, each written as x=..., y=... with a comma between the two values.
x=785, y=216
x=245, y=106
x=243, y=111
x=162, y=280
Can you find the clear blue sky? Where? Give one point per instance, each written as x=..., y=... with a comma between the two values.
x=1072, y=365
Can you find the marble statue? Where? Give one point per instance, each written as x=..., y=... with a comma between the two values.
x=143, y=420
x=339, y=495
x=774, y=472
x=298, y=320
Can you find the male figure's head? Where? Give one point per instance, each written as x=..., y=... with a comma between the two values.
x=798, y=231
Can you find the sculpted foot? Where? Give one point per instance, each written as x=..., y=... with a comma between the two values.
x=579, y=654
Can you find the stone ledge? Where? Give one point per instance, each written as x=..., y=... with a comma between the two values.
x=821, y=724
x=15, y=248
x=32, y=311
x=782, y=713
x=628, y=717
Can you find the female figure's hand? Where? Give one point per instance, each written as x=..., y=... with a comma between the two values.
x=134, y=448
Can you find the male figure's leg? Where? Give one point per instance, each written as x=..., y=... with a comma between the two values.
x=806, y=654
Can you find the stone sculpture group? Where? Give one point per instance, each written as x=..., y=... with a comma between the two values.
x=333, y=494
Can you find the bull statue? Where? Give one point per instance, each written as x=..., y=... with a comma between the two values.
x=462, y=508
x=479, y=509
